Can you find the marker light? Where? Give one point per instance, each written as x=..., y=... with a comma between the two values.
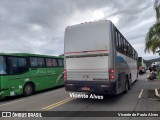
x=111, y=74
x=65, y=74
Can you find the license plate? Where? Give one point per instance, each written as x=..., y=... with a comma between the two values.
x=85, y=88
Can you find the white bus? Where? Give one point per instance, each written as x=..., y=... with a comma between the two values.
x=98, y=59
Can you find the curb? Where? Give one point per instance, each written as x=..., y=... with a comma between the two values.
x=156, y=93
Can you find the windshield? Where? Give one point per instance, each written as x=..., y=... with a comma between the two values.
x=2, y=65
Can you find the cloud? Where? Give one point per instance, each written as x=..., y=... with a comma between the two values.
x=38, y=26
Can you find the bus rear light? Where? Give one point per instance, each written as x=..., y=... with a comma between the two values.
x=65, y=71
x=65, y=74
x=65, y=77
x=111, y=71
x=111, y=76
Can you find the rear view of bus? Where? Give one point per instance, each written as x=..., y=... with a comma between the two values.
x=88, y=55
x=98, y=59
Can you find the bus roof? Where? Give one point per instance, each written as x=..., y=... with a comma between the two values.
x=29, y=54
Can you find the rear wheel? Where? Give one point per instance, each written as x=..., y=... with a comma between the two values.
x=126, y=86
x=129, y=82
x=28, y=89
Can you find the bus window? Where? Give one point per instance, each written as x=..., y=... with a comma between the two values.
x=54, y=62
x=17, y=65
x=33, y=61
x=2, y=65
x=41, y=62
x=116, y=40
x=120, y=43
x=51, y=62
x=48, y=62
x=127, y=49
x=125, y=46
x=60, y=62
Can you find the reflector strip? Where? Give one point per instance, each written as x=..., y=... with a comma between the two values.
x=87, y=51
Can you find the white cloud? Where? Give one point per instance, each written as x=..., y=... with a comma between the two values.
x=35, y=28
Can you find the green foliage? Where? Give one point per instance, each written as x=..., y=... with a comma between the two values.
x=153, y=38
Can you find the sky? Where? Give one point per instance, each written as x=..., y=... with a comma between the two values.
x=37, y=26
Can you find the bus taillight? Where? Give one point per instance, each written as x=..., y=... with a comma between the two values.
x=111, y=77
x=65, y=74
x=111, y=71
x=111, y=74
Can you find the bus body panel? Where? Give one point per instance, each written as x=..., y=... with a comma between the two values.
x=125, y=66
x=87, y=68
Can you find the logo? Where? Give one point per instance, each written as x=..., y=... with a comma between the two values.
x=6, y=114
x=85, y=76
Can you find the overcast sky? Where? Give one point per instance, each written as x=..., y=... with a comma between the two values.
x=37, y=26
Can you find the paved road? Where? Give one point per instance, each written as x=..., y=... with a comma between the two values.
x=59, y=100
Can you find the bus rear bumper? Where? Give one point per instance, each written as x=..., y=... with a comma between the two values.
x=100, y=87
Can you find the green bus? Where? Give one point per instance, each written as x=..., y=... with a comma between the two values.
x=24, y=73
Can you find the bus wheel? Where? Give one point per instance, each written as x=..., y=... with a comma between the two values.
x=129, y=82
x=126, y=86
x=28, y=89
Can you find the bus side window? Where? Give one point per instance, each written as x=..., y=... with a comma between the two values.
x=60, y=62
x=3, y=65
x=49, y=62
x=125, y=46
x=130, y=51
x=17, y=65
x=54, y=62
x=120, y=43
x=41, y=62
x=116, y=40
x=33, y=61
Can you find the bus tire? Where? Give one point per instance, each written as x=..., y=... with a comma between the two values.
x=28, y=89
x=126, y=86
x=129, y=82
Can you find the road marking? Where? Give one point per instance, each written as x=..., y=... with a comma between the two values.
x=10, y=102
x=156, y=92
x=57, y=104
x=146, y=80
x=140, y=94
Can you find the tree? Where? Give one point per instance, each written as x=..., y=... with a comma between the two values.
x=152, y=40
